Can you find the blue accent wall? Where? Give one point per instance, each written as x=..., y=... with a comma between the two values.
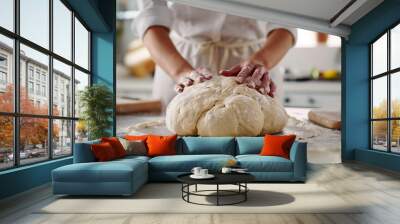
x=355, y=86
x=100, y=17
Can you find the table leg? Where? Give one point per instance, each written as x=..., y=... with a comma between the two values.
x=245, y=193
x=217, y=194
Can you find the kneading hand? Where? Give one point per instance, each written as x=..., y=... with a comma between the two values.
x=254, y=76
x=192, y=77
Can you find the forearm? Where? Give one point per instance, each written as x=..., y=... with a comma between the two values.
x=277, y=45
x=164, y=53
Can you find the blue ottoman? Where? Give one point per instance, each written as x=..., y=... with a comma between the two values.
x=118, y=177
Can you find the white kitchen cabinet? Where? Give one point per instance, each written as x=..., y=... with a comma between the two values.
x=313, y=94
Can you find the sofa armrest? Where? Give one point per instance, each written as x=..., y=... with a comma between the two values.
x=83, y=152
x=298, y=155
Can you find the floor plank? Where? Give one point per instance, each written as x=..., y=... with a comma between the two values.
x=378, y=190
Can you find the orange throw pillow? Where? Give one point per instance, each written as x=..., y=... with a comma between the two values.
x=116, y=145
x=136, y=137
x=277, y=145
x=161, y=145
x=103, y=152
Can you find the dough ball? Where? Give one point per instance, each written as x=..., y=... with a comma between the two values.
x=221, y=107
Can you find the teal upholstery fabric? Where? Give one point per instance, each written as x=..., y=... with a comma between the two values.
x=257, y=163
x=118, y=177
x=249, y=145
x=184, y=163
x=206, y=145
x=83, y=152
x=298, y=155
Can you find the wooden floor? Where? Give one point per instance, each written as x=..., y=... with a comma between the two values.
x=377, y=188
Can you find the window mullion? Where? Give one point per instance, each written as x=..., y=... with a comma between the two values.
x=50, y=81
x=389, y=101
x=16, y=84
x=73, y=82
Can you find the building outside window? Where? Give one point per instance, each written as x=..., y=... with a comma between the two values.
x=56, y=129
x=3, y=72
x=385, y=91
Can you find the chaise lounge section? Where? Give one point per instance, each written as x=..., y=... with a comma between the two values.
x=125, y=176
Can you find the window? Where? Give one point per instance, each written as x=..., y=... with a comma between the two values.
x=81, y=45
x=30, y=87
x=35, y=21
x=3, y=78
x=44, y=91
x=30, y=72
x=6, y=73
x=49, y=80
x=7, y=14
x=385, y=94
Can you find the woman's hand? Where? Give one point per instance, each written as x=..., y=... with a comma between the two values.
x=254, y=75
x=192, y=77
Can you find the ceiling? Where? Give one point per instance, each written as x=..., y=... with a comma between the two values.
x=328, y=16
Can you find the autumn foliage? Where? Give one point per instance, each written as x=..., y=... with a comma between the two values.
x=380, y=127
x=33, y=131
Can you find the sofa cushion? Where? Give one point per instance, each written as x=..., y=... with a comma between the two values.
x=116, y=145
x=161, y=145
x=249, y=145
x=185, y=163
x=257, y=163
x=206, y=145
x=277, y=145
x=112, y=171
x=83, y=152
x=103, y=152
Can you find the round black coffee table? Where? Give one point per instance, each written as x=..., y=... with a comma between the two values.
x=238, y=179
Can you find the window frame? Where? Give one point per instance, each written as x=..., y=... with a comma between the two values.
x=388, y=74
x=16, y=114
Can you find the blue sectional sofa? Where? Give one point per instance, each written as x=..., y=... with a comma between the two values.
x=125, y=176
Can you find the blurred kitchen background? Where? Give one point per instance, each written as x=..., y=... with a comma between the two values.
x=311, y=73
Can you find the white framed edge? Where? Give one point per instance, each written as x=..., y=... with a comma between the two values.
x=270, y=15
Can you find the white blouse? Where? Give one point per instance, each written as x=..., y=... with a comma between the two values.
x=205, y=38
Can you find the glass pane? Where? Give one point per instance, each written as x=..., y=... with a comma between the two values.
x=395, y=94
x=7, y=14
x=34, y=97
x=6, y=74
x=81, y=132
x=34, y=92
x=379, y=55
x=395, y=136
x=379, y=135
x=6, y=142
x=81, y=45
x=33, y=139
x=35, y=21
x=62, y=29
x=62, y=89
x=81, y=81
x=379, y=97
x=395, y=47
x=62, y=138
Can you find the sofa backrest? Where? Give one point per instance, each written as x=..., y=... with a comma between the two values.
x=83, y=152
x=249, y=145
x=206, y=145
